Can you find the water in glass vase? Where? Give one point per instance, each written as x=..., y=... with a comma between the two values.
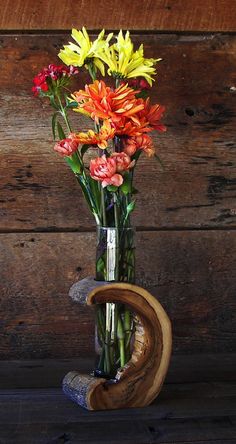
x=115, y=262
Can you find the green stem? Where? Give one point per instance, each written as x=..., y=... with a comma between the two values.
x=118, y=82
x=121, y=340
x=101, y=360
x=128, y=339
x=122, y=352
x=127, y=328
x=91, y=71
x=108, y=338
x=88, y=196
x=116, y=217
x=127, y=320
x=127, y=201
x=107, y=367
x=100, y=324
x=107, y=352
x=103, y=207
x=82, y=178
x=64, y=113
x=114, y=321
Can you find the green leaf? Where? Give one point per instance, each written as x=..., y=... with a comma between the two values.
x=125, y=188
x=85, y=192
x=100, y=265
x=66, y=98
x=130, y=207
x=74, y=163
x=143, y=94
x=126, y=185
x=159, y=160
x=129, y=210
x=95, y=191
x=60, y=131
x=54, y=118
x=52, y=101
x=112, y=188
x=83, y=150
x=72, y=104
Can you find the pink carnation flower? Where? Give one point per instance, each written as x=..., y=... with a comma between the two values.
x=104, y=169
x=143, y=142
x=66, y=147
x=123, y=161
x=107, y=169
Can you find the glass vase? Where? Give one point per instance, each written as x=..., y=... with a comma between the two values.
x=115, y=262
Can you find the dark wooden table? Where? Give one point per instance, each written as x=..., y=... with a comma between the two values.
x=197, y=405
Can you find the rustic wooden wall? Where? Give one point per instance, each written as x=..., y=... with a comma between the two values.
x=186, y=215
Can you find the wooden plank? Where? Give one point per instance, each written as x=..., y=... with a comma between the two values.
x=216, y=441
x=35, y=405
x=184, y=15
x=184, y=370
x=191, y=274
x=171, y=392
x=24, y=414
x=39, y=373
x=202, y=367
x=198, y=183
x=114, y=431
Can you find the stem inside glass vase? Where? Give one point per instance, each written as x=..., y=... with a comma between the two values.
x=115, y=262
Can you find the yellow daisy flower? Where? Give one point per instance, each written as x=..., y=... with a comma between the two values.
x=84, y=50
x=123, y=61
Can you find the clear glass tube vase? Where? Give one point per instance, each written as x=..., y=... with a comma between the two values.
x=115, y=262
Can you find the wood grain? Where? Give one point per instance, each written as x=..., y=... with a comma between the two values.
x=188, y=419
x=197, y=188
x=181, y=400
x=191, y=273
x=184, y=370
x=168, y=431
x=181, y=15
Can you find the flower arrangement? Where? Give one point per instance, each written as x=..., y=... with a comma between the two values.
x=123, y=118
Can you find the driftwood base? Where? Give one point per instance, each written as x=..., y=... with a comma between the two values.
x=138, y=383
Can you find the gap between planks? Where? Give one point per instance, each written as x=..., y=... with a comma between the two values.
x=92, y=230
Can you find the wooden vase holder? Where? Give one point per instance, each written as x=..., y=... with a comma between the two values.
x=138, y=383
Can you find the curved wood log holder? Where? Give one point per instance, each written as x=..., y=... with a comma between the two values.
x=140, y=381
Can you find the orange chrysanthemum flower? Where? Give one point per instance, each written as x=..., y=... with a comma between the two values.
x=144, y=142
x=100, y=139
x=127, y=114
x=146, y=120
x=133, y=126
x=152, y=114
x=101, y=102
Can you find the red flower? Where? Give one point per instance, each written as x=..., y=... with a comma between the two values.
x=52, y=72
x=138, y=84
x=40, y=83
x=67, y=147
x=56, y=72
